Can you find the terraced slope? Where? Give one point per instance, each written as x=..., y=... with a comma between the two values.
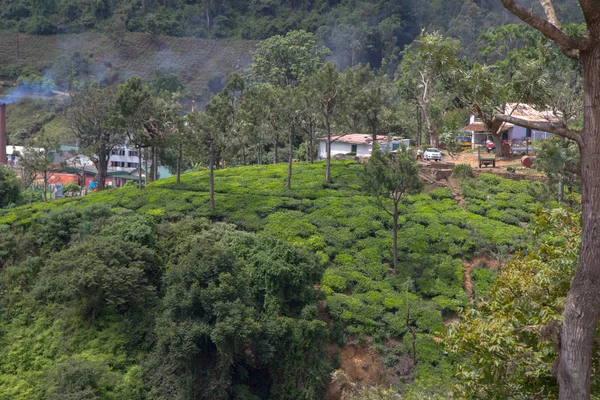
x=196, y=61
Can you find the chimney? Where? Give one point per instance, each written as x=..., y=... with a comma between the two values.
x=3, y=139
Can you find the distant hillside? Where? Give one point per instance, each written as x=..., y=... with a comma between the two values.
x=199, y=63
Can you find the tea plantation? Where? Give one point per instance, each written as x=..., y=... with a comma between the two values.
x=253, y=292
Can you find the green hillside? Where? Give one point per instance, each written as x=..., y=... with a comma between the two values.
x=139, y=343
x=195, y=61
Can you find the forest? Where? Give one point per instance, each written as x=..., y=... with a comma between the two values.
x=268, y=268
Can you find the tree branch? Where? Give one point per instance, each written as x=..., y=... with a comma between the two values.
x=576, y=169
x=542, y=126
x=569, y=45
x=550, y=12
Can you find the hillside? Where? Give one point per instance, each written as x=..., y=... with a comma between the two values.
x=369, y=312
x=195, y=61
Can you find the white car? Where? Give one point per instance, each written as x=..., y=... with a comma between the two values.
x=432, y=154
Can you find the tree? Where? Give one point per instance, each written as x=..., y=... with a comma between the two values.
x=582, y=308
x=388, y=177
x=427, y=65
x=37, y=161
x=10, y=187
x=324, y=87
x=558, y=158
x=523, y=67
x=510, y=338
x=135, y=112
x=91, y=116
x=209, y=128
x=371, y=92
x=287, y=60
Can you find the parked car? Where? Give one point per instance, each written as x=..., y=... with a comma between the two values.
x=432, y=154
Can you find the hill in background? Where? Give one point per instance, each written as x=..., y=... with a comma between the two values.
x=200, y=63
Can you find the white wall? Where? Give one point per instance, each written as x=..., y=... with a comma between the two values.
x=343, y=148
x=520, y=133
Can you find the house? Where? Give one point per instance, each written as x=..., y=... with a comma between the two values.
x=513, y=134
x=358, y=144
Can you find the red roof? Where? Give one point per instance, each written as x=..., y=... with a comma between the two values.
x=356, y=138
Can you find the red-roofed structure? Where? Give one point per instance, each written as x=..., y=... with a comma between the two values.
x=512, y=133
x=358, y=144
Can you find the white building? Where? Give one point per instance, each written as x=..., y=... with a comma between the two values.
x=358, y=144
x=512, y=134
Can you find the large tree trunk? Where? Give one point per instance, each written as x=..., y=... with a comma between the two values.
x=276, y=145
x=582, y=307
x=291, y=156
x=497, y=139
x=211, y=168
x=244, y=156
x=102, y=167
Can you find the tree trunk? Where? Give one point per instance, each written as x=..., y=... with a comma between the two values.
x=497, y=139
x=154, y=164
x=152, y=154
x=395, y=244
x=45, y=186
x=102, y=167
x=580, y=318
x=179, y=154
x=561, y=187
x=211, y=168
x=140, y=167
x=419, y=127
x=146, y=166
x=244, y=156
x=312, y=144
x=276, y=143
x=374, y=130
x=259, y=155
x=328, y=162
x=291, y=156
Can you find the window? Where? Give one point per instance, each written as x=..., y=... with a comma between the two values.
x=132, y=153
x=395, y=146
x=528, y=133
x=354, y=148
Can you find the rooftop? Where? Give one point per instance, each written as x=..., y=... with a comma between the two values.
x=356, y=138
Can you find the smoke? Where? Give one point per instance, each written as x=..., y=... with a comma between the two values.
x=34, y=87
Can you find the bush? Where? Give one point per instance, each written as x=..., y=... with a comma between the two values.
x=462, y=171
x=10, y=187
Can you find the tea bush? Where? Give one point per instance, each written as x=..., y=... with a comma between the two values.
x=346, y=232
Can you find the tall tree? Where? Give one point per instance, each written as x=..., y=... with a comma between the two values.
x=427, y=66
x=391, y=177
x=287, y=60
x=582, y=308
x=371, y=92
x=326, y=92
x=91, y=117
x=37, y=161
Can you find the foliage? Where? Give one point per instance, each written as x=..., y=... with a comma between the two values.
x=287, y=60
x=462, y=171
x=509, y=340
x=10, y=187
x=258, y=291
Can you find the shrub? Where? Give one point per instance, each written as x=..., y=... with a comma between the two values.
x=462, y=171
